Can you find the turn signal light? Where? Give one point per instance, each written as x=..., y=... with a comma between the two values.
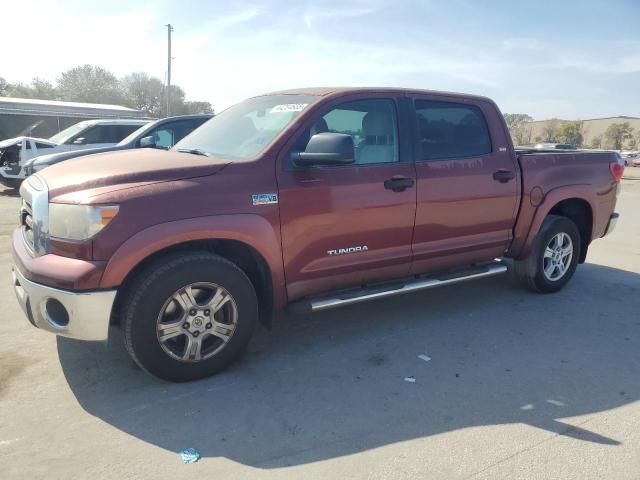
x=107, y=214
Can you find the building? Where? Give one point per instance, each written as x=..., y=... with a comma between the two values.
x=592, y=128
x=44, y=118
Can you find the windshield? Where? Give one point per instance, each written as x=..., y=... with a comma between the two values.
x=67, y=133
x=245, y=130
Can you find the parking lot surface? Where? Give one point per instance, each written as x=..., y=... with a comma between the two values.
x=518, y=385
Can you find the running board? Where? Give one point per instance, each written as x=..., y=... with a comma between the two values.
x=318, y=304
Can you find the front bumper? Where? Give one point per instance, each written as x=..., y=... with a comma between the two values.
x=80, y=315
x=613, y=220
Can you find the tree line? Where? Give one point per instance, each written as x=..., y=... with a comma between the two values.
x=616, y=136
x=93, y=84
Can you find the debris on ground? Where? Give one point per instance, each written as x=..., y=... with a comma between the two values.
x=189, y=455
x=424, y=357
x=411, y=379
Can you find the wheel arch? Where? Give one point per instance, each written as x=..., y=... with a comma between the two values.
x=255, y=249
x=572, y=202
x=579, y=211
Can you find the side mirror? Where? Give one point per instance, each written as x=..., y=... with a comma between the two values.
x=327, y=149
x=146, y=142
x=80, y=141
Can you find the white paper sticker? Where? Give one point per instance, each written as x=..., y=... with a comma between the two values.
x=288, y=107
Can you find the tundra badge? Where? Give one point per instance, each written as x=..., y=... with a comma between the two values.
x=344, y=251
x=264, y=198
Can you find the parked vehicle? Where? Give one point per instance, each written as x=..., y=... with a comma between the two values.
x=163, y=133
x=14, y=152
x=631, y=159
x=308, y=199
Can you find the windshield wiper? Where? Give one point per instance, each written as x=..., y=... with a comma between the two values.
x=194, y=151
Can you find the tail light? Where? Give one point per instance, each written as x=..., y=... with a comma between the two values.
x=617, y=169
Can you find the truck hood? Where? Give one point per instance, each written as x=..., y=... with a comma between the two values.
x=124, y=169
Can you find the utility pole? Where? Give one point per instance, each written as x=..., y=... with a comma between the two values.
x=169, y=30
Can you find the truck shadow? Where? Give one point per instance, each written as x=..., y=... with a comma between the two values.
x=9, y=192
x=332, y=384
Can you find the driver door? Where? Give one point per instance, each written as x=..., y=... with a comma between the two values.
x=344, y=225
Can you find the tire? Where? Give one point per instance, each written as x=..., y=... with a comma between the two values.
x=161, y=330
x=531, y=270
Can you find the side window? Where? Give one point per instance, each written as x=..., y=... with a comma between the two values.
x=451, y=130
x=163, y=136
x=372, y=124
x=183, y=128
x=98, y=134
x=125, y=130
x=107, y=133
x=171, y=133
x=42, y=146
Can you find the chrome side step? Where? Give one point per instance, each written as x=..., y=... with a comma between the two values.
x=398, y=288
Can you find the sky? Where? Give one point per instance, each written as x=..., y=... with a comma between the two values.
x=550, y=59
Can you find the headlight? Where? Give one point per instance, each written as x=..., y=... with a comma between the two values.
x=79, y=222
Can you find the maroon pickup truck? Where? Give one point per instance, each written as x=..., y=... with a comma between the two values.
x=308, y=199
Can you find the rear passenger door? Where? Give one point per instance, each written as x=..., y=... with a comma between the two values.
x=467, y=188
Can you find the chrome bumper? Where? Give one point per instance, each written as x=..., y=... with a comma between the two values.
x=613, y=220
x=80, y=315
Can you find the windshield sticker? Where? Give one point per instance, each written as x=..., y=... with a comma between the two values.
x=288, y=107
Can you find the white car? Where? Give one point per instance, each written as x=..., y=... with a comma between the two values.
x=14, y=152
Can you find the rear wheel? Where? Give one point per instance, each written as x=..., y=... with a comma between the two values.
x=553, y=258
x=189, y=316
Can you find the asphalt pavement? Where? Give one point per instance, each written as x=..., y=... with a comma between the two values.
x=518, y=385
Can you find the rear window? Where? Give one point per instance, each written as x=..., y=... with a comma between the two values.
x=451, y=130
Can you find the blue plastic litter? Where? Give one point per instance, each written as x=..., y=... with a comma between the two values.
x=189, y=455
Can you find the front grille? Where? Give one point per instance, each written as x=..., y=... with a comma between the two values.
x=26, y=220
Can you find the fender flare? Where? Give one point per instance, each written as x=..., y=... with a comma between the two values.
x=551, y=199
x=250, y=229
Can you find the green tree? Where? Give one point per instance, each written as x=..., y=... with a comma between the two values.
x=143, y=92
x=195, y=107
x=91, y=84
x=4, y=87
x=617, y=133
x=550, y=131
x=38, y=88
x=570, y=132
x=519, y=127
x=596, y=142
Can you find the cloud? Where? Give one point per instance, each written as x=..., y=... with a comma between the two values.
x=225, y=52
x=329, y=10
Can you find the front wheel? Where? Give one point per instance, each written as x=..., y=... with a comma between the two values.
x=553, y=258
x=189, y=316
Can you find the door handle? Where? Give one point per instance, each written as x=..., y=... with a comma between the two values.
x=398, y=184
x=503, y=176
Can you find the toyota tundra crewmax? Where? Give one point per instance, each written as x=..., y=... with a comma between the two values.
x=306, y=199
